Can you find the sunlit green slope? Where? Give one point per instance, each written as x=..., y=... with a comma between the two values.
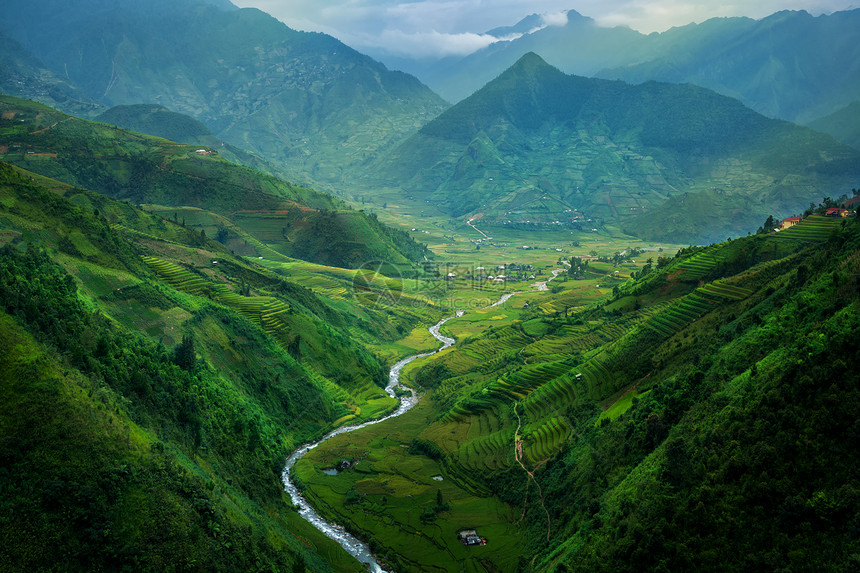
x=159, y=121
x=142, y=427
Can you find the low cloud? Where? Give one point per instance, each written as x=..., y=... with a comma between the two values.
x=424, y=44
x=425, y=28
x=557, y=19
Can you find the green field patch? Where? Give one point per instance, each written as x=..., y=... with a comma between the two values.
x=99, y=280
x=535, y=327
x=394, y=489
x=621, y=405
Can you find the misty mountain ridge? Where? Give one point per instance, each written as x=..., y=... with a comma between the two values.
x=789, y=65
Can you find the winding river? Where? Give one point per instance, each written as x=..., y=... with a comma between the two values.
x=349, y=542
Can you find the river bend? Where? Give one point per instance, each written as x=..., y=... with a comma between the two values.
x=349, y=542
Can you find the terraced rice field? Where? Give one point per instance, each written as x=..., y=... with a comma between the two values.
x=700, y=264
x=472, y=354
x=546, y=440
x=814, y=228
x=521, y=383
x=269, y=312
x=552, y=396
x=179, y=277
x=693, y=306
x=489, y=451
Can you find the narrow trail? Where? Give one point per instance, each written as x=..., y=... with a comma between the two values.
x=349, y=542
x=469, y=222
x=518, y=454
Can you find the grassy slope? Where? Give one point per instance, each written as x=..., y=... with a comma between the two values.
x=159, y=121
x=136, y=167
x=150, y=170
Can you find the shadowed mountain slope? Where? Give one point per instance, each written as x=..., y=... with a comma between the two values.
x=303, y=100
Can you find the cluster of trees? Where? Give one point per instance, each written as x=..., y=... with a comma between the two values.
x=824, y=205
x=578, y=268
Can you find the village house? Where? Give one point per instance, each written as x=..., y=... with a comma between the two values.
x=470, y=537
x=789, y=222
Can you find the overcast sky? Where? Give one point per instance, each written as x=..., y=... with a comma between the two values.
x=455, y=27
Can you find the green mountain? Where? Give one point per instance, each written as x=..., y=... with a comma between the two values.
x=536, y=146
x=789, y=65
x=149, y=170
x=843, y=124
x=22, y=74
x=304, y=101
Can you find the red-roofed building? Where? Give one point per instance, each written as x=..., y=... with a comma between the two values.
x=836, y=212
x=789, y=222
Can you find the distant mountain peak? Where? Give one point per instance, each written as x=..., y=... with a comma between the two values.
x=613, y=152
x=536, y=22
x=531, y=60
x=524, y=26
x=528, y=71
x=524, y=71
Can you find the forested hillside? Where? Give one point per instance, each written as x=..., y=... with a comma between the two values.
x=121, y=452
